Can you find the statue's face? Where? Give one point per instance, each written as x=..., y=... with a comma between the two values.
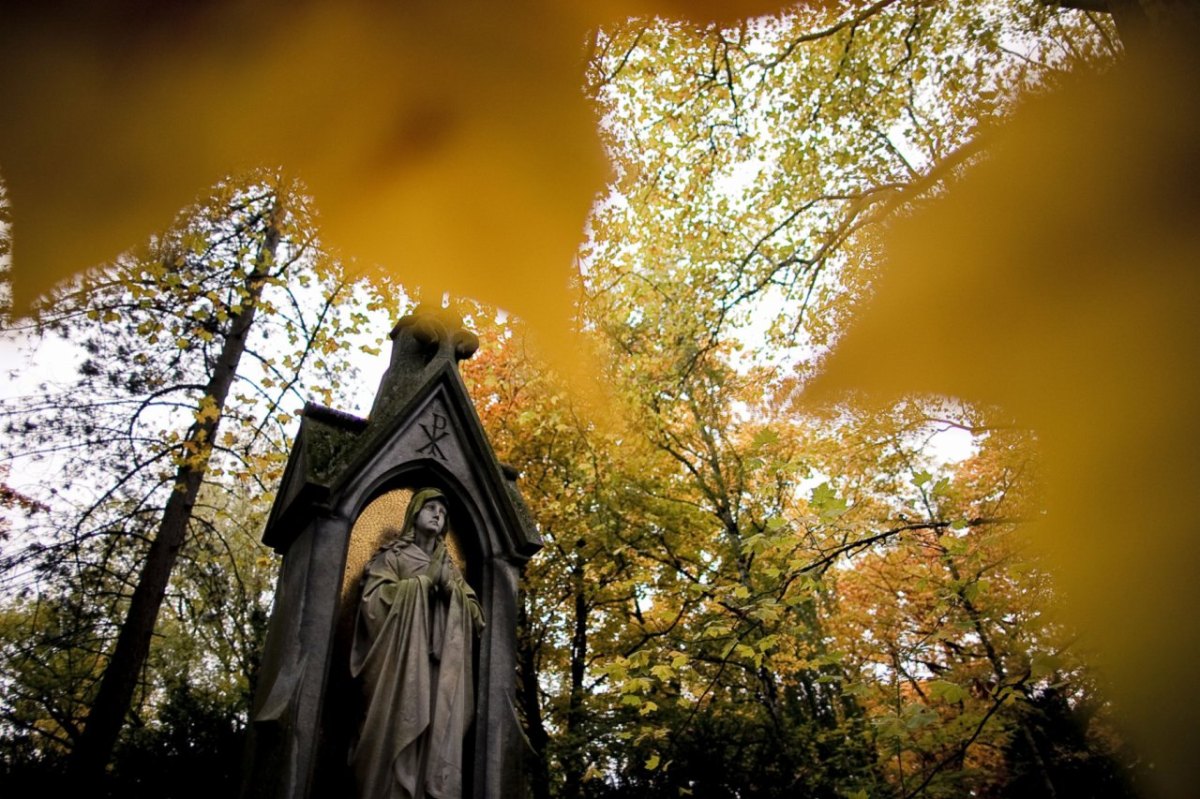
x=431, y=518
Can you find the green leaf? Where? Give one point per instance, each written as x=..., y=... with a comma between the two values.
x=947, y=691
x=826, y=502
x=662, y=671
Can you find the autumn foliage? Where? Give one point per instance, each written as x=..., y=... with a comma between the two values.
x=759, y=579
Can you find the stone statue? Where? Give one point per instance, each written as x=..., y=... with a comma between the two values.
x=412, y=653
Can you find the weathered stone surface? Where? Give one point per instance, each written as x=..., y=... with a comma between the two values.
x=413, y=657
x=423, y=431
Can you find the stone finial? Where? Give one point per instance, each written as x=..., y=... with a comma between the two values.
x=421, y=341
x=439, y=332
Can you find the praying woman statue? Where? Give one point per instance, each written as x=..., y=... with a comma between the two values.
x=413, y=637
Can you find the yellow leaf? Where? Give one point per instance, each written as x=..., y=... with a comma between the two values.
x=450, y=142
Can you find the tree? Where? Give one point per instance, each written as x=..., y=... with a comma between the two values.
x=185, y=731
x=709, y=618
x=164, y=332
x=741, y=598
x=758, y=167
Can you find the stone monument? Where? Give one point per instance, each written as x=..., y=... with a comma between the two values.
x=390, y=654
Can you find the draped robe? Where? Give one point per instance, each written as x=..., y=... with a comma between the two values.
x=412, y=653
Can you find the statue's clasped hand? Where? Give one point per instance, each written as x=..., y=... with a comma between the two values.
x=438, y=576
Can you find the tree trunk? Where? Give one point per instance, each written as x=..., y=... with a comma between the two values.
x=573, y=761
x=527, y=695
x=1001, y=673
x=133, y=643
